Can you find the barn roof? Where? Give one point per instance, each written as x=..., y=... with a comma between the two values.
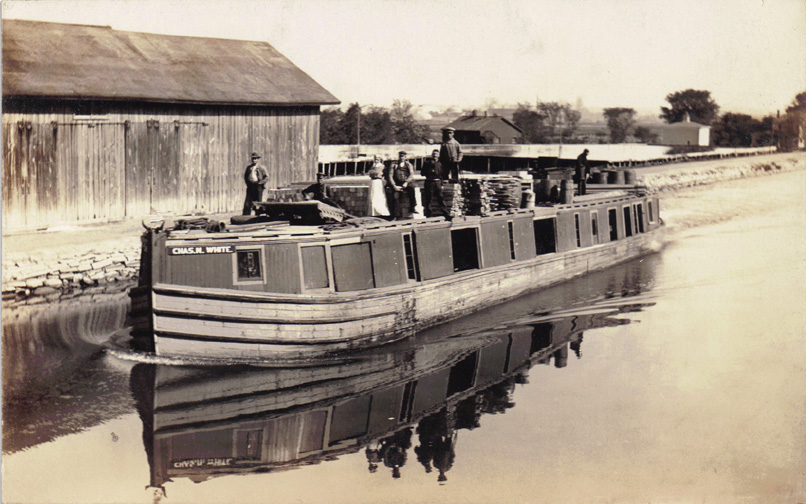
x=70, y=61
x=481, y=123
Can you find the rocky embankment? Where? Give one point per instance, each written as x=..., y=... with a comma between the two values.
x=679, y=176
x=113, y=266
x=65, y=272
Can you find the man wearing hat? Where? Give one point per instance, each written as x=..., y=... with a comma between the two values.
x=399, y=189
x=433, y=173
x=450, y=154
x=255, y=176
x=581, y=171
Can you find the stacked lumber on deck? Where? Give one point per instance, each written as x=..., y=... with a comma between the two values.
x=454, y=199
x=488, y=193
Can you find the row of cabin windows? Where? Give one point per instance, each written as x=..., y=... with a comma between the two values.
x=353, y=269
x=633, y=222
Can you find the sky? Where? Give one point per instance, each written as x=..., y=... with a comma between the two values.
x=750, y=54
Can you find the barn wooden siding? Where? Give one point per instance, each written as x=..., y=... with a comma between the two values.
x=64, y=168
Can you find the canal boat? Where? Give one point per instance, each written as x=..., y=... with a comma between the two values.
x=301, y=287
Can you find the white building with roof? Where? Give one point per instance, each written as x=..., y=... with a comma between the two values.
x=684, y=132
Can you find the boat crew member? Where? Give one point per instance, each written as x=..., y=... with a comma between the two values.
x=399, y=191
x=434, y=173
x=317, y=192
x=255, y=176
x=581, y=174
x=450, y=154
x=377, y=195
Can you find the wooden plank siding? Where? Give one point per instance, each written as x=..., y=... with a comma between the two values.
x=137, y=158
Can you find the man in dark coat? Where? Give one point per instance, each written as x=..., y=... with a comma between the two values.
x=450, y=154
x=434, y=174
x=581, y=175
x=255, y=176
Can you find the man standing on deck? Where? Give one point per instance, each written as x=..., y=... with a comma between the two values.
x=450, y=154
x=582, y=173
x=434, y=173
x=399, y=191
x=255, y=176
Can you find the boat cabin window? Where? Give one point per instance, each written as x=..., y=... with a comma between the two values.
x=594, y=227
x=639, y=218
x=576, y=228
x=249, y=266
x=612, y=219
x=411, y=258
x=511, y=230
x=627, y=221
x=544, y=236
x=465, y=249
x=314, y=267
x=649, y=209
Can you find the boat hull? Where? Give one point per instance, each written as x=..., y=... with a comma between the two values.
x=287, y=329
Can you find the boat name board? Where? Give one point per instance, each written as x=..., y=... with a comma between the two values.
x=201, y=462
x=212, y=249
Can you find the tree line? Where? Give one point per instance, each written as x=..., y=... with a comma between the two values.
x=556, y=122
x=373, y=126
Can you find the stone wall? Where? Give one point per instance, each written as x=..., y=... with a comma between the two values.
x=71, y=271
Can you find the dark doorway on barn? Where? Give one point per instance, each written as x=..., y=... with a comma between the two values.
x=465, y=249
x=544, y=236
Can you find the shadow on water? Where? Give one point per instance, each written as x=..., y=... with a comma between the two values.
x=56, y=378
x=402, y=404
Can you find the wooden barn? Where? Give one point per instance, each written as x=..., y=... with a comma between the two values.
x=101, y=125
x=484, y=129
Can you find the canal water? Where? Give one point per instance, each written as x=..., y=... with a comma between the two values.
x=674, y=378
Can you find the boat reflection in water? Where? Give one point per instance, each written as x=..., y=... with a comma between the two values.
x=203, y=422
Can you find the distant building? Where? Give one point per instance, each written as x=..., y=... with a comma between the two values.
x=684, y=132
x=478, y=129
x=101, y=124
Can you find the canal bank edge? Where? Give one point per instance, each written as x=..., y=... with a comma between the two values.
x=111, y=266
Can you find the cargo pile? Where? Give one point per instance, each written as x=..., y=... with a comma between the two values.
x=453, y=199
x=485, y=194
x=352, y=199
